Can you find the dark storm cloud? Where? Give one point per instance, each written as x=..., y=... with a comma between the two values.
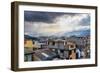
x=40, y=16
x=49, y=17
x=46, y=17
x=36, y=17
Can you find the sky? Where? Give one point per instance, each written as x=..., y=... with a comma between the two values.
x=54, y=23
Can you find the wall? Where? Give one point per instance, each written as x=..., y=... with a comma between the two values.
x=5, y=40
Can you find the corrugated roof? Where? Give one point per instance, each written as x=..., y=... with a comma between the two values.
x=45, y=54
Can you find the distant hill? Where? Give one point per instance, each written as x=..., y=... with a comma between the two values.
x=80, y=33
x=30, y=37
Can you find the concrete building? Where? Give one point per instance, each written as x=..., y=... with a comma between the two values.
x=63, y=48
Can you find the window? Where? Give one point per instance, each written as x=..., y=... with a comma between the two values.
x=53, y=43
x=33, y=42
x=71, y=46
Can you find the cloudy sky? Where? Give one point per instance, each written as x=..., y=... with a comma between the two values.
x=53, y=23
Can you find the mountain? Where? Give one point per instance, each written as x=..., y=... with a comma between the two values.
x=79, y=33
x=30, y=37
